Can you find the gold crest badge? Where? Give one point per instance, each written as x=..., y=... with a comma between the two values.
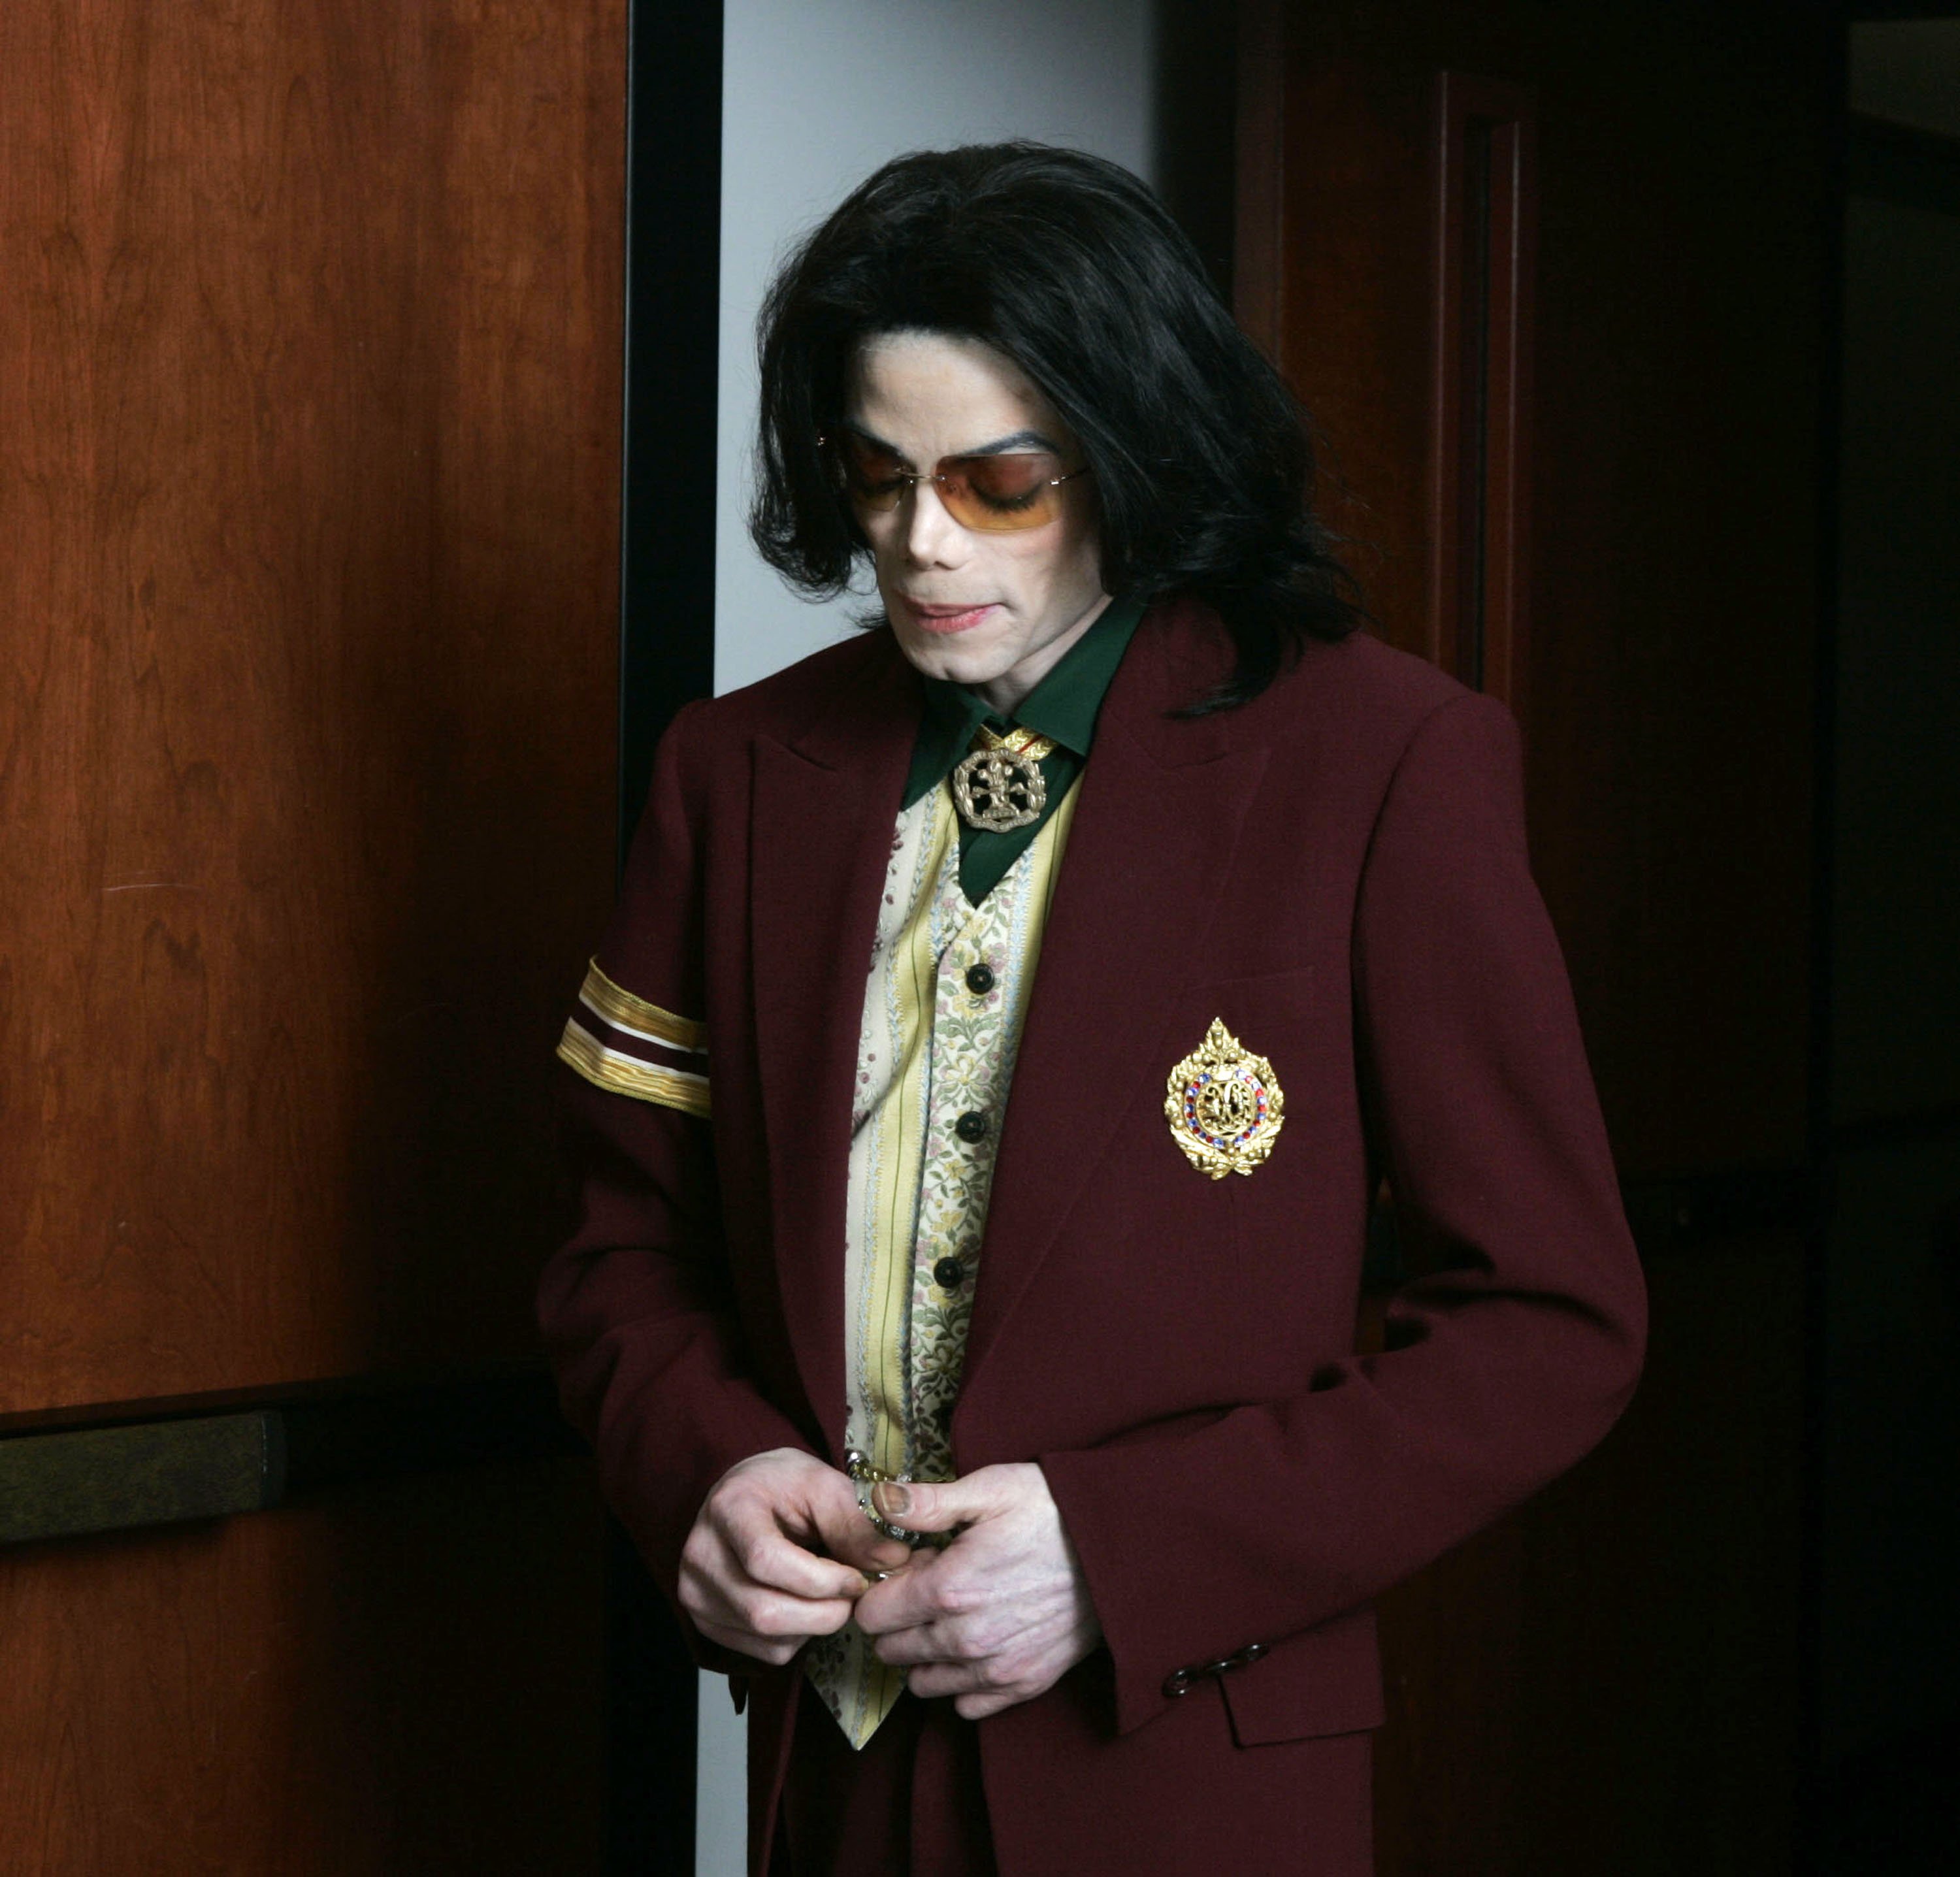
x=1224, y=1105
x=999, y=787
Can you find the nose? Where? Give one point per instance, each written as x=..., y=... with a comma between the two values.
x=932, y=538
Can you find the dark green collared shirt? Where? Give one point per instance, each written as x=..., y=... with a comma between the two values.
x=1063, y=706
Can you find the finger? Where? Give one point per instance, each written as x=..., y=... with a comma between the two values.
x=872, y=1552
x=852, y=1539
x=903, y=1601
x=907, y=1648
x=713, y=1584
x=794, y=1619
x=707, y=1578
x=768, y=1613
x=934, y=1680
x=774, y=1649
x=937, y=1508
x=828, y=1519
x=735, y=1599
x=762, y=1554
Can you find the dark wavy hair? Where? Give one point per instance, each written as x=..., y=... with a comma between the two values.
x=1071, y=267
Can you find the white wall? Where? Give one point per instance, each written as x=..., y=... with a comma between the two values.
x=816, y=95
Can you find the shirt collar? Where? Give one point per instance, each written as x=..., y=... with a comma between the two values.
x=1063, y=706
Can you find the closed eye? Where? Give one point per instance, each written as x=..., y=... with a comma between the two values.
x=1007, y=481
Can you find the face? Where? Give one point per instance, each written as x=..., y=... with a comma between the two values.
x=993, y=610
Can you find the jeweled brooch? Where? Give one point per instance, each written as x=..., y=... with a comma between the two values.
x=1224, y=1105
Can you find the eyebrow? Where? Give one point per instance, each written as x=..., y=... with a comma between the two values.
x=1018, y=440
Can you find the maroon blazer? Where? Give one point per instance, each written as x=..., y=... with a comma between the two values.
x=1338, y=871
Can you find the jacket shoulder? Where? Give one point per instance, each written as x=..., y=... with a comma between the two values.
x=1365, y=680
x=785, y=701
x=1358, y=680
x=1347, y=719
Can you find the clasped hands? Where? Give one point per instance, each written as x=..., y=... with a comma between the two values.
x=782, y=1552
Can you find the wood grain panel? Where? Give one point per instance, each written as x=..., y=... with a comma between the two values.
x=1484, y=172
x=308, y=480
x=392, y=1680
x=1678, y=363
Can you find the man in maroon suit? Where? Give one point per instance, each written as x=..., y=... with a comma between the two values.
x=1015, y=1455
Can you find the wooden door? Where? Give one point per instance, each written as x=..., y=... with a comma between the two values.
x=309, y=439
x=1553, y=282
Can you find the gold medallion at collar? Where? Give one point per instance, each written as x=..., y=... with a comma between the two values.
x=999, y=787
x=1224, y=1105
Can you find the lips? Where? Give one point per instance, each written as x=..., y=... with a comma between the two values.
x=930, y=618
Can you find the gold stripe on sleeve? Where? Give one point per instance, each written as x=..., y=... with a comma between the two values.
x=624, y=1011
x=622, y=1075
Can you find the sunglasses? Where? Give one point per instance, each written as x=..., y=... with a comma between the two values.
x=994, y=495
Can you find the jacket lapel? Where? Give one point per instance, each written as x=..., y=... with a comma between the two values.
x=824, y=807
x=1163, y=800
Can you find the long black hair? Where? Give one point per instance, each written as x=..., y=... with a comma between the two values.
x=1069, y=266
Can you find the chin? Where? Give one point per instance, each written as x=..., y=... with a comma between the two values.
x=958, y=663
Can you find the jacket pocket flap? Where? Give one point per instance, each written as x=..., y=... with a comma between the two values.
x=1326, y=1681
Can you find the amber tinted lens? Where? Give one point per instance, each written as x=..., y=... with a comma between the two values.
x=875, y=476
x=999, y=494
x=996, y=494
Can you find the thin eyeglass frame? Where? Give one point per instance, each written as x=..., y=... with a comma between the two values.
x=881, y=505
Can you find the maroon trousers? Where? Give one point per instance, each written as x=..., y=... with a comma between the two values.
x=910, y=1801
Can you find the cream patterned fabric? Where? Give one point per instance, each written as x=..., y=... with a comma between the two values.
x=931, y=1049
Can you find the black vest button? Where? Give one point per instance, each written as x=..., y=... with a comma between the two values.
x=949, y=1274
x=979, y=979
x=972, y=1126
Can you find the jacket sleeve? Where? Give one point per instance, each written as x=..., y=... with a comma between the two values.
x=636, y=1308
x=1501, y=1366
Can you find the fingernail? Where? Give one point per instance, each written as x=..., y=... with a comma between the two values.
x=891, y=1501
